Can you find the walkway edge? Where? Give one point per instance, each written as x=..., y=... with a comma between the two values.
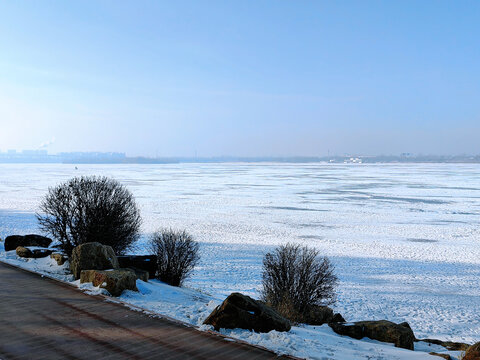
x=149, y=312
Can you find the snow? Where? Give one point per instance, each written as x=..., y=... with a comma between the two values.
x=403, y=237
x=192, y=307
x=45, y=266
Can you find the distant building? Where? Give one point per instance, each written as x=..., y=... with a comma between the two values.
x=34, y=152
x=353, y=161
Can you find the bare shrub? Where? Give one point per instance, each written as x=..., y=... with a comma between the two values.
x=91, y=208
x=295, y=279
x=177, y=254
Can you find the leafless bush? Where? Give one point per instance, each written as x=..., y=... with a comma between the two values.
x=295, y=279
x=91, y=208
x=177, y=254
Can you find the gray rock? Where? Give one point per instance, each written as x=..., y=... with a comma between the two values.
x=241, y=311
x=139, y=273
x=381, y=330
x=92, y=256
x=318, y=315
x=143, y=262
x=14, y=241
x=450, y=345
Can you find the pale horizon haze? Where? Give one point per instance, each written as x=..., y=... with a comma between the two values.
x=240, y=78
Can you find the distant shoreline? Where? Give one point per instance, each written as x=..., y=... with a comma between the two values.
x=43, y=157
x=330, y=160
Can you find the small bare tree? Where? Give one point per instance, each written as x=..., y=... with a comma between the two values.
x=92, y=208
x=177, y=254
x=295, y=279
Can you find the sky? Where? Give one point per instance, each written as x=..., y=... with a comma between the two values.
x=241, y=78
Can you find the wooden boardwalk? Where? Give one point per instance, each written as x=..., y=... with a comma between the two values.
x=41, y=318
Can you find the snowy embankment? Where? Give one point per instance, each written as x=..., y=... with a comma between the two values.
x=192, y=306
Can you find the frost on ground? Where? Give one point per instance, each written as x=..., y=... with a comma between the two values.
x=192, y=306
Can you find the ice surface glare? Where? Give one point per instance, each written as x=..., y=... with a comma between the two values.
x=404, y=238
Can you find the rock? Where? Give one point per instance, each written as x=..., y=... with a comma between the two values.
x=14, y=241
x=445, y=356
x=59, y=258
x=449, y=345
x=114, y=281
x=41, y=253
x=382, y=330
x=92, y=256
x=473, y=352
x=34, y=254
x=140, y=274
x=143, y=262
x=24, y=252
x=241, y=311
x=337, y=317
x=318, y=315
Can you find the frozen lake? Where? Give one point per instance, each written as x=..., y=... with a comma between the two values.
x=405, y=239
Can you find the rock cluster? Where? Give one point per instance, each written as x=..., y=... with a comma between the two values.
x=97, y=263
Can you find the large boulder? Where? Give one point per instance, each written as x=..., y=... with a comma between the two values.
x=318, y=315
x=241, y=311
x=142, y=262
x=473, y=352
x=382, y=330
x=114, y=281
x=34, y=254
x=92, y=256
x=14, y=241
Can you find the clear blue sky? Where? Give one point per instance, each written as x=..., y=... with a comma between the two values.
x=241, y=77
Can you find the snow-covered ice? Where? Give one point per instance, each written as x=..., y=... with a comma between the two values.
x=404, y=237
